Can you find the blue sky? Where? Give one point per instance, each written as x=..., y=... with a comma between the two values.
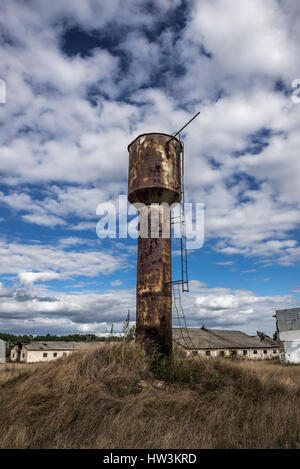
x=83, y=79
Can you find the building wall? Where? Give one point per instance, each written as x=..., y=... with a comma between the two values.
x=291, y=345
x=288, y=328
x=23, y=355
x=2, y=351
x=251, y=355
x=14, y=354
x=33, y=356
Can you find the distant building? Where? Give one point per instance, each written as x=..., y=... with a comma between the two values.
x=288, y=331
x=213, y=343
x=2, y=351
x=39, y=351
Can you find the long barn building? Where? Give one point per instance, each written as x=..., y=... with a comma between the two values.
x=204, y=343
x=213, y=343
x=41, y=351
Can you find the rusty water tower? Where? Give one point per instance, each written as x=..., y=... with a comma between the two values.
x=156, y=178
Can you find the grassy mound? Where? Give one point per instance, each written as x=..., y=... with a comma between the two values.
x=111, y=397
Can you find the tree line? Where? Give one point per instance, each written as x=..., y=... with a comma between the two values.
x=128, y=332
x=12, y=339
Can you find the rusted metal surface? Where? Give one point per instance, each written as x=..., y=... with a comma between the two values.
x=154, y=177
x=154, y=293
x=154, y=169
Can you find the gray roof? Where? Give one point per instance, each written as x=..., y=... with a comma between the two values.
x=56, y=346
x=222, y=339
x=288, y=319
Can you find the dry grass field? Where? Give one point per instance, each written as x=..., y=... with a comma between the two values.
x=113, y=398
x=13, y=370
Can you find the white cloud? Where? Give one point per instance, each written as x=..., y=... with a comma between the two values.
x=225, y=263
x=59, y=204
x=44, y=220
x=83, y=226
x=43, y=311
x=84, y=312
x=39, y=257
x=73, y=241
x=233, y=308
x=116, y=283
x=241, y=156
x=245, y=37
x=67, y=139
x=28, y=278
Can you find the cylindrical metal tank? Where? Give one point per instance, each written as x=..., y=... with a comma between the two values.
x=154, y=178
x=154, y=169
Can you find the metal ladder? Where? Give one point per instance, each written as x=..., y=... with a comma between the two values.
x=179, y=317
x=180, y=219
x=183, y=283
x=183, y=248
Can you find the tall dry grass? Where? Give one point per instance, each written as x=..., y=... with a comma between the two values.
x=111, y=397
x=14, y=370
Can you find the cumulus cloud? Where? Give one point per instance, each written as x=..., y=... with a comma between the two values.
x=70, y=115
x=85, y=312
x=59, y=204
x=28, y=278
x=235, y=77
x=42, y=311
x=69, y=262
x=233, y=308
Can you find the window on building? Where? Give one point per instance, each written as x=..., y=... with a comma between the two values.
x=23, y=355
x=54, y=354
x=274, y=351
x=222, y=353
x=207, y=353
x=265, y=351
x=64, y=354
x=194, y=352
x=45, y=354
x=255, y=352
x=245, y=352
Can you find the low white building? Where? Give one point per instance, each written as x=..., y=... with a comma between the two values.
x=288, y=330
x=223, y=343
x=40, y=351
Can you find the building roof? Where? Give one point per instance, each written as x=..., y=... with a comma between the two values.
x=265, y=339
x=57, y=345
x=222, y=339
x=288, y=319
